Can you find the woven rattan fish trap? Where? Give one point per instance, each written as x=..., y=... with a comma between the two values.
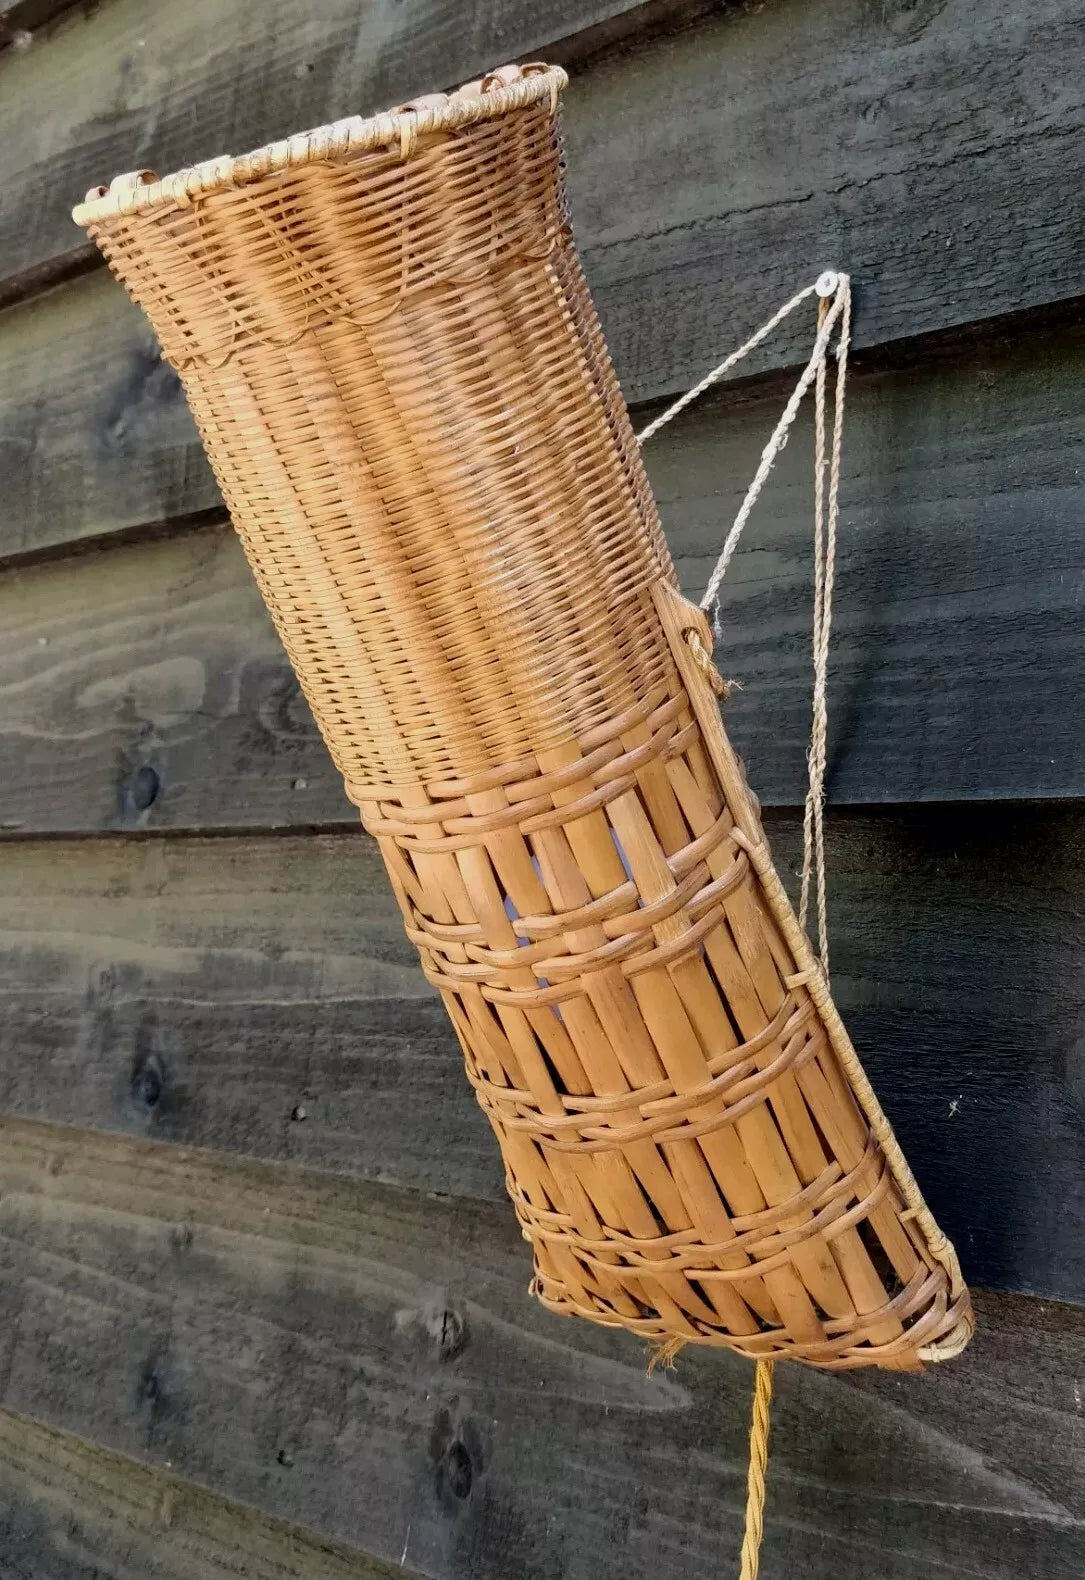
x=386, y=339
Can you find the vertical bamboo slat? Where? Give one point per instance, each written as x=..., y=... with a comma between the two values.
x=388, y=345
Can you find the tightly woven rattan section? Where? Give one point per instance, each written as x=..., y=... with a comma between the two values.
x=391, y=353
x=403, y=350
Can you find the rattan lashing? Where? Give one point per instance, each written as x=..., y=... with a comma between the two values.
x=388, y=345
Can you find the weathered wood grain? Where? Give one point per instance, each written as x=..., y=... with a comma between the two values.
x=929, y=148
x=95, y=435
x=959, y=603
x=254, y=995
x=71, y=1510
x=258, y=996
x=145, y=688
x=368, y=1362
x=131, y=86
x=959, y=606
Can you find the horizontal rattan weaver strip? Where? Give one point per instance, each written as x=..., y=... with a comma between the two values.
x=658, y=1097
x=689, y=895
x=456, y=816
x=551, y=953
x=449, y=976
x=840, y=1331
x=609, y=911
x=474, y=102
x=662, y=1130
x=695, y=898
x=532, y=817
x=767, y=1253
x=683, y=1249
x=676, y=1241
x=604, y=909
x=603, y=762
x=845, y=1353
x=831, y=1222
x=472, y=831
x=689, y=859
x=508, y=775
x=551, y=962
x=843, y=1336
x=747, y=1085
x=619, y=777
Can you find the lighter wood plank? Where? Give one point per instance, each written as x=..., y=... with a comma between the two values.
x=71, y=1510
x=171, y=698
x=256, y=995
x=227, y=1316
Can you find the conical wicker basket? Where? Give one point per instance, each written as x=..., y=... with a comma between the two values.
x=388, y=345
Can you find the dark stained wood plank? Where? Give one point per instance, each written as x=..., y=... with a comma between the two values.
x=368, y=1362
x=71, y=1510
x=923, y=148
x=258, y=996
x=169, y=85
x=95, y=435
x=959, y=610
x=918, y=146
x=959, y=600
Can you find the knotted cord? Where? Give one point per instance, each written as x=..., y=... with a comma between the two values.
x=834, y=314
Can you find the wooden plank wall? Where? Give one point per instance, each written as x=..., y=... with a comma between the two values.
x=263, y=1308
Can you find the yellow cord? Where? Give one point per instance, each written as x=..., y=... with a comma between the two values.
x=755, y=1478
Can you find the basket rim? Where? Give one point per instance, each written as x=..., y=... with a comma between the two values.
x=501, y=92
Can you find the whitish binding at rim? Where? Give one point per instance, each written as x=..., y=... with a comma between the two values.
x=500, y=92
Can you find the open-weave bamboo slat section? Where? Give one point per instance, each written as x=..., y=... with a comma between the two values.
x=386, y=339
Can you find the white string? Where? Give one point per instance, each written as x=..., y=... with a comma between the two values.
x=726, y=365
x=834, y=290
x=812, y=821
x=826, y=517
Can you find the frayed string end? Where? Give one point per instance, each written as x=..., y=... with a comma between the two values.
x=664, y=1353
